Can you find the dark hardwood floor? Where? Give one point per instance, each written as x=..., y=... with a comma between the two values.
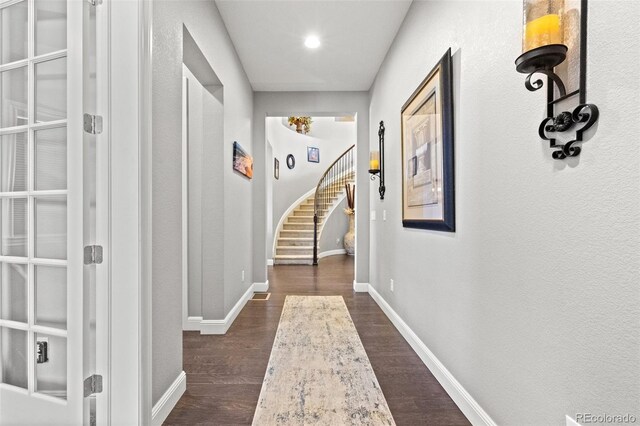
x=224, y=373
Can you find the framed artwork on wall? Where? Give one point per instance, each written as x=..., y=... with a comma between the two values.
x=427, y=152
x=291, y=161
x=313, y=154
x=242, y=162
x=276, y=168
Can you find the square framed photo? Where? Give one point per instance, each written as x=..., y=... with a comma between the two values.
x=313, y=154
x=276, y=168
x=427, y=152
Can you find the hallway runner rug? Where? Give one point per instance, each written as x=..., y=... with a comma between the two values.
x=319, y=372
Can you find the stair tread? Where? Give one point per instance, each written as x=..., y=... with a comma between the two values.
x=295, y=247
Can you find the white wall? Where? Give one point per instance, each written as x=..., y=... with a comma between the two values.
x=532, y=304
x=205, y=25
x=307, y=103
x=332, y=137
x=336, y=225
x=205, y=144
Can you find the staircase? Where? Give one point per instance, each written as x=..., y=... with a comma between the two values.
x=295, y=242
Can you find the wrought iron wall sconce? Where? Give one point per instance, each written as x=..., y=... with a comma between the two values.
x=555, y=37
x=376, y=161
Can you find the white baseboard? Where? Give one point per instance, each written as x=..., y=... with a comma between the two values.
x=331, y=253
x=263, y=287
x=570, y=422
x=221, y=326
x=192, y=324
x=469, y=406
x=360, y=287
x=269, y=262
x=165, y=404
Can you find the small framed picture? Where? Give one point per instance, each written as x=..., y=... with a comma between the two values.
x=242, y=162
x=276, y=168
x=313, y=154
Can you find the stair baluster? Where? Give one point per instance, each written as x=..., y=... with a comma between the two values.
x=333, y=180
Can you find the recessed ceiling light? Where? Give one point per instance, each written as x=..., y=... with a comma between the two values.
x=312, y=42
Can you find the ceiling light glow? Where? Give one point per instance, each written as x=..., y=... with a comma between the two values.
x=312, y=42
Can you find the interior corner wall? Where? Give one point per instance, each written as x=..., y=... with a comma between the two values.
x=532, y=304
x=335, y=227
x=308, y=103
x=205, y=25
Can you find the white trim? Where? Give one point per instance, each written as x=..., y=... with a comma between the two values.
x=165, y=404
x=261, y=287
x=570, y=422
x=469, y=406
x=192, y=324
x=145, y=195
x=185, y=204
x=104, y=287
x=291, y=208
x=331, y=253
x=269, y=262
x=361, y=287
x=221, y=326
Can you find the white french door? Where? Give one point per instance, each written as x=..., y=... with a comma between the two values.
x=47, y=212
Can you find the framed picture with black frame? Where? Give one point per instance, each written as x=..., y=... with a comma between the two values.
x=276, y=168
x=313, y=154
x=428, y=186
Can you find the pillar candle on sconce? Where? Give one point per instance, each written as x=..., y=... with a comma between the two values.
x=546, y=31
x=376, y=161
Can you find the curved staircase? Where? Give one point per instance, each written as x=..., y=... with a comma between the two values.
x=298, y=239
x=294, y=245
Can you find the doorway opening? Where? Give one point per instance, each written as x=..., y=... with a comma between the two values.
x=317, y=160
x=202, y=171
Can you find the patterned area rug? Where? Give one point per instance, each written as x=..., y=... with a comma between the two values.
x=318, y=372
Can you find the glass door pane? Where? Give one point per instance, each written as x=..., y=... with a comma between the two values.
x=13, y=162
x=13, y=227
x=50, y=26
x=14, y=300
x=51, y=90
x=13, y=357
x=13, y=97
x=14, y=33
x=51, y=159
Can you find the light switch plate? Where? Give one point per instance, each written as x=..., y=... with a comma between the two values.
x=373, y=215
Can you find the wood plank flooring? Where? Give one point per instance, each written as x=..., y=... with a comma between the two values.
x=224, y=373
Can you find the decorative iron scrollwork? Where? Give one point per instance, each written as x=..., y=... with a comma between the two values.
x=532, y=86
x=584, y=113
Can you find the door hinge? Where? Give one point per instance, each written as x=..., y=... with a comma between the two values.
x=92, y=385
x=95, y=2
x=93, y=255
x=93, y=124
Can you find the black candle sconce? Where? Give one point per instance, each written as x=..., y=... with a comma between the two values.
x=554, y=37
x=376, y=161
